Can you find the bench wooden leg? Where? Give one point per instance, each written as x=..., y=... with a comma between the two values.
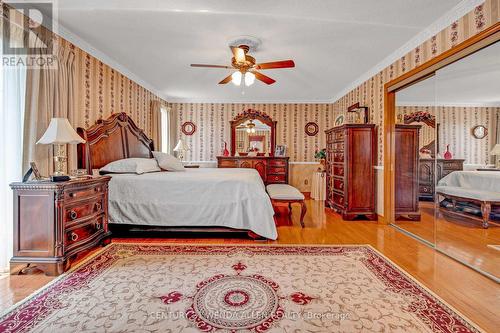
x=485, y=211
x=303, y=210
x=290, y=209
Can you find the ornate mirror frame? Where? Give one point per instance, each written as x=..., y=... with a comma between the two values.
x=251, y=114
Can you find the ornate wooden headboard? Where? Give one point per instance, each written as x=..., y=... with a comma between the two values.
x=112, y=139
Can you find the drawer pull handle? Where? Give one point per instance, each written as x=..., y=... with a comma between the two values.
x=97, y=189
x=73, y=215
x=98, y=226
x=74, y=237
x=72, y=195
x=97, y=206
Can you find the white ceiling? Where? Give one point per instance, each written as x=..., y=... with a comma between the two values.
x=474, y=81
x=333, y=42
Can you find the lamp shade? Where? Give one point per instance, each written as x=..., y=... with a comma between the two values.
x=181, y=146
x=60, y=132
x=495, y=150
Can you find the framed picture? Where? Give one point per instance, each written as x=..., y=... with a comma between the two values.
x=280, y=151
x=36, y=173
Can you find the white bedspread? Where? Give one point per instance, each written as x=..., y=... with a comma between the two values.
x=234, y=198
x=479, y=185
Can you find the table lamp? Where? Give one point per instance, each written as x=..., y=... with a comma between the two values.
x=58, y=134
x=496, y=152
x=181, y=148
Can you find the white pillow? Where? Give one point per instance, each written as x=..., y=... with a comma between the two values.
x=168, y=162
x=131, y=165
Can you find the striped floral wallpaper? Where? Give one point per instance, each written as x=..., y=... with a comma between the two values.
x=212, y=127
x=455, y=129
x=101, y=91
x=370, y=93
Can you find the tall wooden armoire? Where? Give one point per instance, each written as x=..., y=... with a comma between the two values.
x=351, y=178
x=406, y=172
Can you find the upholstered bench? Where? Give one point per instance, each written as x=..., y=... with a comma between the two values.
x=289, y=194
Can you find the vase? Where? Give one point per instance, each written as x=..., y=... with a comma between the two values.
x=447, y=153
x=225, y=152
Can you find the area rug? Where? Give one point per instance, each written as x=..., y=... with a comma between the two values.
x=234, y=288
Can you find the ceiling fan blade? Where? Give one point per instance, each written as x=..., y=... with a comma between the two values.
x=264, y=78
x=276, y=64
x=226, y=79
x=211, y=66
x=239, y=54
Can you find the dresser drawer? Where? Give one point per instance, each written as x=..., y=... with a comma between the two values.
x=426, y=189
x=452, y=165
x=339, y=147
x=276, y=170
x=339, y=136
x=228, y=164
x=277, y=162
x=338, y=185
x=83, y=192
x=276, y=179
x=82, y=233
x=338, y=157
x=77, y=211
x=338, y=199
x=338, y=170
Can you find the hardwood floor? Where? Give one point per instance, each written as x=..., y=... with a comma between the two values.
x=469, y=292
x=465, y=240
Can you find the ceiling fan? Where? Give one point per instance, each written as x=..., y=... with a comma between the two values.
x=246, y=67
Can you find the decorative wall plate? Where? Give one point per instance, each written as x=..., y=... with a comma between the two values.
x=311, y=128
x=479, y=132
x=188, y=128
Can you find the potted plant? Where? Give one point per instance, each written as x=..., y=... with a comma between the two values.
x=320, y=155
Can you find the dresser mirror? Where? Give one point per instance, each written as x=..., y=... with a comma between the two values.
x=253, y=133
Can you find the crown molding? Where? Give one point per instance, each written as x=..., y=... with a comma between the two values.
x=460, y=10
x=449, y=104
x=173, y=100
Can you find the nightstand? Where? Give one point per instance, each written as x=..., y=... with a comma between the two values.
x=53, y=222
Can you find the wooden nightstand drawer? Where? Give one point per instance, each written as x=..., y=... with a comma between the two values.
x=83, y=233
x=80, y=210
x=83, y=192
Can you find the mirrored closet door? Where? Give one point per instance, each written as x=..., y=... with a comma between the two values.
x=467, y=215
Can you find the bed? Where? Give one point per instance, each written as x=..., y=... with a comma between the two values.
x=471, y=194
x=205, y=199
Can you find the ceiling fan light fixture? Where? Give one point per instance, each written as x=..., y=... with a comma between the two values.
x=236, y=78
x=249, y=78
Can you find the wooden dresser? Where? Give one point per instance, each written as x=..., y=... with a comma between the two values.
x=55, y=221
x=350, y=173
x=426, y=172
x=273, y=170
x=406, y=170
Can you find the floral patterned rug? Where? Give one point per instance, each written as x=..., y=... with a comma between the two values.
x=234, y=288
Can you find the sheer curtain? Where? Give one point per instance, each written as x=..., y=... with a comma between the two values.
x=12, y=86
x=165, y=130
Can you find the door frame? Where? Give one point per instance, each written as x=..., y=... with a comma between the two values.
x=422, y=72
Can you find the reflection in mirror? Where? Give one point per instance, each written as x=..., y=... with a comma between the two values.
x=416, y=142
x=253, y=136
x=468, y=202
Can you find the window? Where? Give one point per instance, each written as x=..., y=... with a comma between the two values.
x=165, y=130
